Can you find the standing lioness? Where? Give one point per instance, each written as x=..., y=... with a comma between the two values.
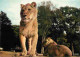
x=28, y=28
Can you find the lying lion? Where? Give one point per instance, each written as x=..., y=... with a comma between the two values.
x=28, y=28
x=53, y=49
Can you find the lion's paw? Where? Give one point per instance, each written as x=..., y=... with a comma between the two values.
x=23, y=53
x=32, y=55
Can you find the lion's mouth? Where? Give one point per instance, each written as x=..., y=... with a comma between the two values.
x=26, y=20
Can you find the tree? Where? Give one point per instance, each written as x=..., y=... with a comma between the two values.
x=8, y=39
x=44, y=20
x=72, y=23
x=66, y=19
x=15, y=29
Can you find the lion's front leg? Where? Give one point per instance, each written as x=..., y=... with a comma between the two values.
x=34, y=44
x=23, y=44
x=29, y=44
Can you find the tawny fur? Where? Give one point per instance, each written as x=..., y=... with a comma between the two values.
x=28, y=28
x=53, y=49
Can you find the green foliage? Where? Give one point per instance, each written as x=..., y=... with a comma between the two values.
x=16, y=30
x=67, y=19
x=62, y=40
x=44, y=19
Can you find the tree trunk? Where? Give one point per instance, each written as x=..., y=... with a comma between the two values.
x=72, y=49
x=0, y=33
x=42, y=49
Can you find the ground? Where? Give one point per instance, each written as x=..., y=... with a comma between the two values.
x=16, y=54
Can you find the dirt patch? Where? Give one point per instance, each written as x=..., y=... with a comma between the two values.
x=17, y=54
x=14, y=54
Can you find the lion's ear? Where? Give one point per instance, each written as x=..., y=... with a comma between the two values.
x=22, y=5
x=33, y=4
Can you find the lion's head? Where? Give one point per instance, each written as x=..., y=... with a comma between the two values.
x=28, y=12
x=48, y=41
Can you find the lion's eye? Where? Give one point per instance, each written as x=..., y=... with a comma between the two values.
x=46, y=40
x=29, y=9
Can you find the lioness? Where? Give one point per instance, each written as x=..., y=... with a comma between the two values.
x=53, y=49
x=28, y=28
